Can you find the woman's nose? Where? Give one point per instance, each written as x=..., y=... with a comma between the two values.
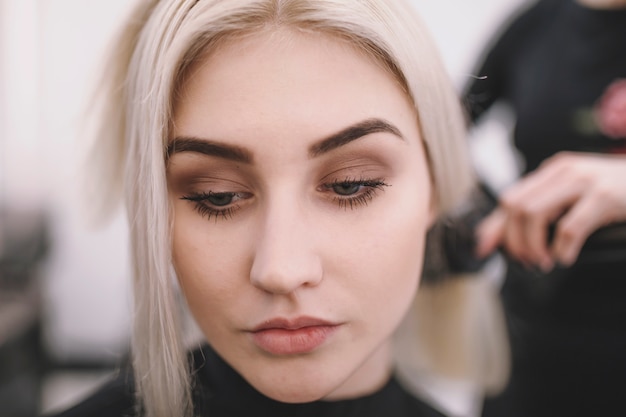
x=284, y=257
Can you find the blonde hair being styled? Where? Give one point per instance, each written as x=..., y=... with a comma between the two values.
x=159, y=41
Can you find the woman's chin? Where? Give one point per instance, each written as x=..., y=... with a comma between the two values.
x=295, y=385
x=297, y=395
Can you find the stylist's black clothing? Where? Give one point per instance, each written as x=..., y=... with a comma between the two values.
x=222, y=392
x=552, y=65
x=568, y=328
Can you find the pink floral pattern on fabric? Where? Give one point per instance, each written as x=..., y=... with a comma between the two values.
x=610, y=112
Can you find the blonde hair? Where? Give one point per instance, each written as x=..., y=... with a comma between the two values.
x=158, y=42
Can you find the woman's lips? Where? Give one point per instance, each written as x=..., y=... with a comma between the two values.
x=292, y=337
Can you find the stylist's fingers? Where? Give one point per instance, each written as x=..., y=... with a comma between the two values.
x=490, y=232
x=536, y=238
x=541, y=211
x=514, y=241
x=587, y=188
x=589, y=214
x=532, y=204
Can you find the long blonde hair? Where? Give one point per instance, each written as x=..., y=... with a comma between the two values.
x=157, y=43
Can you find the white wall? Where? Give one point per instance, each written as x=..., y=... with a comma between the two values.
x=461, y=28
x=50, y=49
x=19, y=86
x=88, y=280
x=49, y=52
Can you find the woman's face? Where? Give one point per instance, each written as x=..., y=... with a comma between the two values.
x=301, y=198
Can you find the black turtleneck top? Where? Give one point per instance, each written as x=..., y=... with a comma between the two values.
x=221, y=392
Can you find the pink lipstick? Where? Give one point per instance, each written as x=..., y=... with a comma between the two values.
x=291, y=337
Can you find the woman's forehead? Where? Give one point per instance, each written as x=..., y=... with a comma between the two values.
x=280, y=100
x=287, y=73
x=284, y=38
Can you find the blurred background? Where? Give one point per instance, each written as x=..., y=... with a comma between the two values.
x=65, y=305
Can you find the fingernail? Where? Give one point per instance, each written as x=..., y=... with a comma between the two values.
x=546, y=265
x=568, y=259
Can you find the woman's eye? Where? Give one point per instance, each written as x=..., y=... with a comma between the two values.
x=353, y=193
x=346, y=188
x=216, y=205
x=220, y=199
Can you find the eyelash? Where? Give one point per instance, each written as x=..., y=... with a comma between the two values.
x=350, y=201
x=200, y=202
x=353, y=201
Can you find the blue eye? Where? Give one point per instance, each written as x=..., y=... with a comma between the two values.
x=346, y=194
x=346, y=188
x=353, y=193
x=220, y=199
x=217, y=205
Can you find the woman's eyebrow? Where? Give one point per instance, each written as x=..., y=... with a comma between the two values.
x=208, y=147
x=352, y=133
x=238, y=154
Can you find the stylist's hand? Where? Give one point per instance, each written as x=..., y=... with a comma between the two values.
x=577, y=192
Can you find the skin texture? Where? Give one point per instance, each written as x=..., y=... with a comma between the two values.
x=578, y=192
x=290, y=245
